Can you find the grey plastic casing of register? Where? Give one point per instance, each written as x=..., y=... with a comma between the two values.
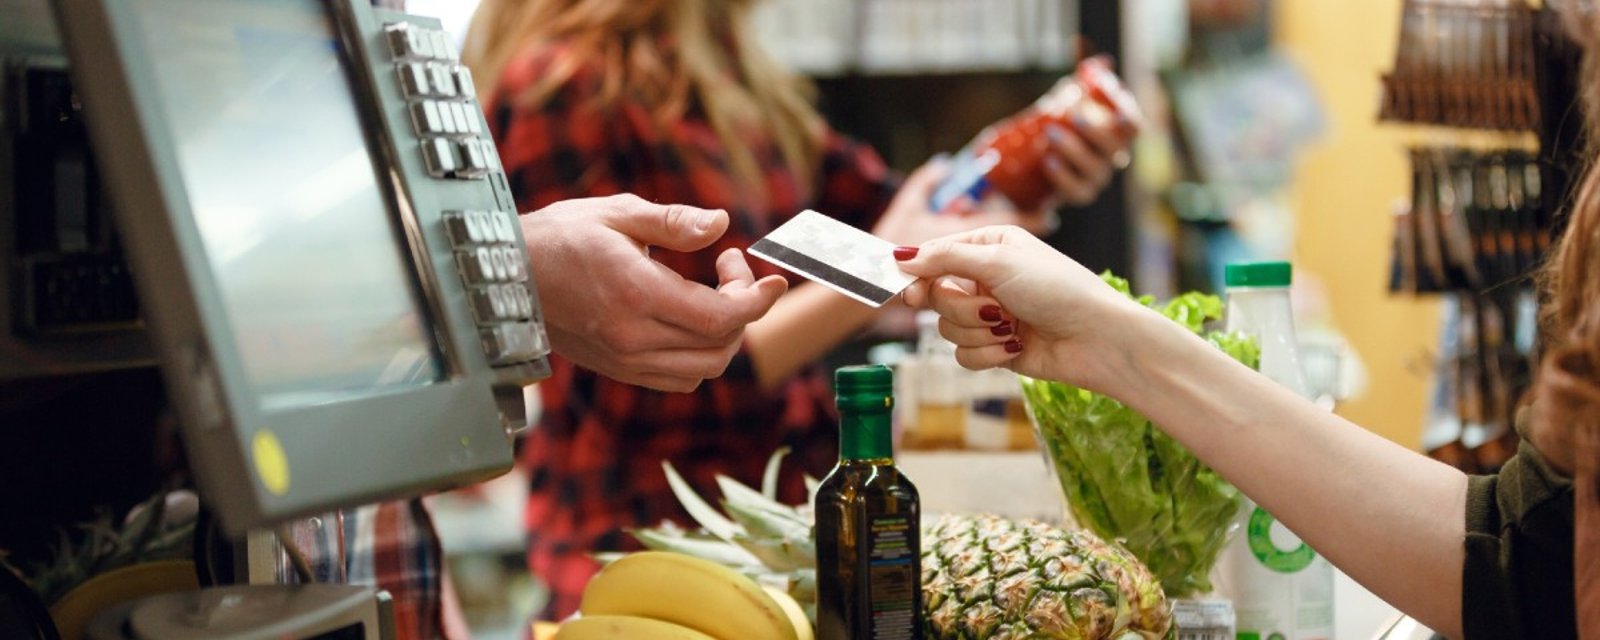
x=455, y=213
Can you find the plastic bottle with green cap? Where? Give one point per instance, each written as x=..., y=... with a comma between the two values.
x=1280, y=587
x=868, y=521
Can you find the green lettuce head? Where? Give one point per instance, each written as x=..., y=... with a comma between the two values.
x=1126, y=480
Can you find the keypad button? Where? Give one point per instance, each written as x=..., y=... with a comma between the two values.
x=503, y=264
x=452, y=126
x=443, y=48
x=482, y=305
x=516, y=268
x=464, y=84
x=505, y=226
x=419, y=44
x=440, y=156
x=473, y=162
x=441, y=81
x=474, y=120
x=492, y=154
x=415, y=80
x=492, y=269
x=452, y=114
x=494, y=347
x=425, y=118
x=471, y=268
x=524, y=301
x=482, y=226
x=498, y=302
x=399, y=36
x=458, y=226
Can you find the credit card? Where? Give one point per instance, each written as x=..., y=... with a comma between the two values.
x=841, y=257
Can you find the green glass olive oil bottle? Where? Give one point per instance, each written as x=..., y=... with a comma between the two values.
x=869, y=552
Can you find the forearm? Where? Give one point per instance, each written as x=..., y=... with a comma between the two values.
x=803, y=326
x=1392, y=519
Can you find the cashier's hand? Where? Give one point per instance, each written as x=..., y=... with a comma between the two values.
x=1007, y=299
x=1083, y=157
x=612, y=309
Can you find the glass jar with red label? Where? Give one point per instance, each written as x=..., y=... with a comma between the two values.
x=1008, y=158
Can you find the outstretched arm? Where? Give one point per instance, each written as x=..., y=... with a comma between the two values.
x=1391, y=518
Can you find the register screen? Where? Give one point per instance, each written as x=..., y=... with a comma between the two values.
x=285, y=193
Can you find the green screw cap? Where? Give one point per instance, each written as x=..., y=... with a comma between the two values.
x=1258, y=274
x=864, y=387
x=865, y=378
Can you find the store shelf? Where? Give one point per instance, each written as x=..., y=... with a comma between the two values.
x=827, y=38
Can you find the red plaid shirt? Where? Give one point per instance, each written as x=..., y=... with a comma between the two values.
x=595, y=460
x=390, y=545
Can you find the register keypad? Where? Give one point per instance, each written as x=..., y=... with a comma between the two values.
x=448, y=122
x=443, y=103
x=494, y=269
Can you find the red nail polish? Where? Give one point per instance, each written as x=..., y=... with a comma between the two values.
x=905, y=253
x=1003, y=329
x=989, y=313
x=1013, y=346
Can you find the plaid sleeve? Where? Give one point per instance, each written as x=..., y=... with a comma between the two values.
x=392, y=546
x=855, y=185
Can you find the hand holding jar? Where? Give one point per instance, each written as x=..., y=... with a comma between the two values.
x=1060, y=150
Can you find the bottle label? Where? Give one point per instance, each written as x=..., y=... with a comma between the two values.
x=967, y=181
x=891, y=577
x=1281, y=589
x=1290, y=558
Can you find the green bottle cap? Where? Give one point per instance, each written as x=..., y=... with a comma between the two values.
x=864, y=388
x=1258, y=274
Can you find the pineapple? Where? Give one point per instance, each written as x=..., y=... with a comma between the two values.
x=982, y=576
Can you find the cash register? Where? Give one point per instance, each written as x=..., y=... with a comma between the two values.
x=295, y=212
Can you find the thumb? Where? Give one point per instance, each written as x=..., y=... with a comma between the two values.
x=671, y=226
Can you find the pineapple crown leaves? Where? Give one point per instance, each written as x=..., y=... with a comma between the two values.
x=90, y=548
x=704, y=546
x=758, y=532
x=760, y=514
x=769, y=476
x=703, y=513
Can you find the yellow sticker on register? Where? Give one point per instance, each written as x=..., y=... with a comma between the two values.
x=272, y=464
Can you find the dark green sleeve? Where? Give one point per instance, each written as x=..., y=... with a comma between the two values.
x=1517, y=580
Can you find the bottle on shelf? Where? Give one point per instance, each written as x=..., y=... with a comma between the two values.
x=1008, y=158
x=942, y=397
x=997, y=418
x=1280, y=587
x=868, y=521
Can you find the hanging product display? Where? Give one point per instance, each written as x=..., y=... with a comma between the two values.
x=1465, y=64
x=1476, y=221
x=1481, y=217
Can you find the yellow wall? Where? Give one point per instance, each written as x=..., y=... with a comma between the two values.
x=1343, y=196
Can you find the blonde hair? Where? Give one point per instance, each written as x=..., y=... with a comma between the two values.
x=671, y=55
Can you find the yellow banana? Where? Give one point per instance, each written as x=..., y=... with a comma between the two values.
x=797, y=614
x=625, y=628
x=688, y=591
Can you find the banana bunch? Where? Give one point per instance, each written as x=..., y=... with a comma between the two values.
x=658, y=594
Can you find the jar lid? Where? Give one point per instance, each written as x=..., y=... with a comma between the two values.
x=1258, y=274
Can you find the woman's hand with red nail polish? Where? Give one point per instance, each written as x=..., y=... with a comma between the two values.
x=999, y=289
